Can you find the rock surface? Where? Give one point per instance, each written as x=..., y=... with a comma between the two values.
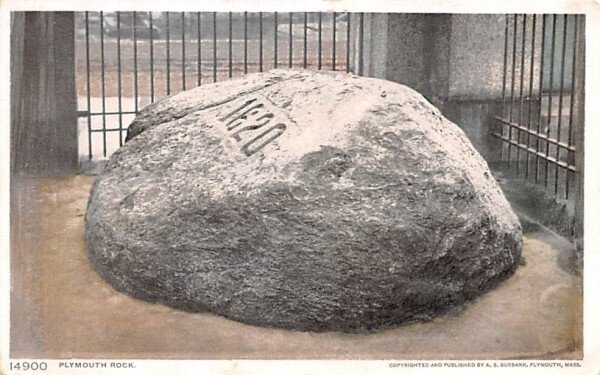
x=301, y=200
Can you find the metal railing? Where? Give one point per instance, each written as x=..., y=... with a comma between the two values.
x=540, y=119
x=125, y=60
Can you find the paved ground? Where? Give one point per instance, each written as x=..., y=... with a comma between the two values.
x=63, y=309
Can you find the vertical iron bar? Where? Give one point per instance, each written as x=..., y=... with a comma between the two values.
x=541, y=87
x=87, y=84
x=305, y=52
x=214, y=46
x=230, y=45
x=533, y=26
x=183, y=51
x=319, y=58
x=512, y=86
x=168, y=46
x=151, y=59
x=560, y=98
x=135, y=70
x=275, y=42
x=347, y=42
x=199, y=47
x=290, y=43
x=333, y=55
x=570, y=131
x=519, y=133
x=361, y=27
x=119, y=88
x=504, y=75
x=505, y=68
x=574, y=61
x=260, y=41
x=103, y=83
x=549, y=120
x=514, y=60
x=245, y=42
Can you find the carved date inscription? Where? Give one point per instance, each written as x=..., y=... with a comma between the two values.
x=252, y=125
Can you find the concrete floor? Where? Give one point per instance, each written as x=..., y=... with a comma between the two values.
x=62, y=309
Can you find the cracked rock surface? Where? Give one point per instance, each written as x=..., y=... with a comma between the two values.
x=301, y=200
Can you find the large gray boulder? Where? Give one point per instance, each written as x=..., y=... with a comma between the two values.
x=301, y=200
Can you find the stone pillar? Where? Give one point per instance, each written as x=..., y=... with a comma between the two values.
x=417, y=52
x=375, y=53
x=466, y=77
x=43, y=100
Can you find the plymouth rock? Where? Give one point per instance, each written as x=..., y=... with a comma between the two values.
x=301, y=200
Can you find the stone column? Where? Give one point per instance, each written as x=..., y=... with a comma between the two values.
x=374, y=52
x=43, y=100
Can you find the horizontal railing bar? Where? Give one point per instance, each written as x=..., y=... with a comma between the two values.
x=108, y=130
x=536, y=134
x=536, y=152
x=86, y=113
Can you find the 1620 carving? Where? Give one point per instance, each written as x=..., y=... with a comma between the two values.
x=254, y=118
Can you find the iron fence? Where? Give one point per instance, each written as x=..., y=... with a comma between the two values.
x=540, y=118
x=126, y=60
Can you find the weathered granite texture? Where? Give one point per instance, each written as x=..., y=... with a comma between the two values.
x=301, y=200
